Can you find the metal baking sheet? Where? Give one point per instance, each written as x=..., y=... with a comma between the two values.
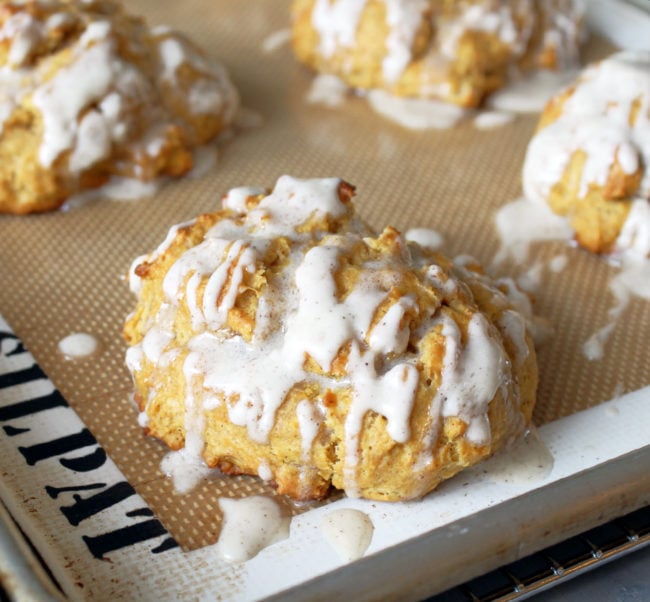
x=83, y=486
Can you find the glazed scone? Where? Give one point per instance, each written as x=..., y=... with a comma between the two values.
x=590, y=157
x=88, y=91
x=457, y=51
x=280, y=337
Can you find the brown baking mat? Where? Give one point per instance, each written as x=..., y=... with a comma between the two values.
x=63, y=272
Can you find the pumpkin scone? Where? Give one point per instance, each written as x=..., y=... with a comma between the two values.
x=88, y=91
x=457, y=51
x=279, y=336
x=590, y=157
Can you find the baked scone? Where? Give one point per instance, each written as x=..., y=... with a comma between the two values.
x=590, y=157
x=279, y=336
x=88, y=91
x=457, y=51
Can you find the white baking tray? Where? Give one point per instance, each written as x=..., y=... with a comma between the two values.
x=79, y=517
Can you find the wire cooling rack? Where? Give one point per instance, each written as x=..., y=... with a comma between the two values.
x=544, y=569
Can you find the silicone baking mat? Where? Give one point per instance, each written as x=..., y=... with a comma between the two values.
x=64, y=272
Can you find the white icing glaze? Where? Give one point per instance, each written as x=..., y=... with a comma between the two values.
x=425, y=237
x=489, y=120
x=558, y=263
x=471, y=375
x=514, y=325
x=564, y=35
x=522, y=222
x=249, y=525
x=531, y=279
x=390, y=395
x=336, y=23
x=316, y=198
x=482, y=18
x=538, y=327
x=596, y=120
x=526, y=460
x=25, y=33
x=118, y=189
x=235, y=199
x=172, y=55
x=135, y=282
x=634, y=238
x=73, y=88
x=264, y=471
x=161, y=30
x=205, y=159
x=310, y=419
x=143, y=419
x=348, y=531
x=632, y=279
x=77, y=345
x=11, y=92
x=327, y=90
x=594, y=347
x=403, y=20
x=530, y=93
x=186, y=466
x=185, y=469
x=276, y=40
x=416, y=113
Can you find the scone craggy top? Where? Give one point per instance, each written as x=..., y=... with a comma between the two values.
x=589, y=159
x=90, y=91
x=458, y=51
x=280, y=337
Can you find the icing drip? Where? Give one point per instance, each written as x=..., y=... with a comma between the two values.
x=336, y=23
x=527, y=460
x=25, y=33
x=485, y=18
x=309, y=421
x=403, y=19
x=531, y=92
x=348, y=531
x=416, y=113
x=471, y=375
x=425, y=237
x=276, y=40
x=249, y=525
x=327, y=90
x=77, y=345
x=489, y=120
x=632, y=252
x=61, y=100
x=521, y=222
